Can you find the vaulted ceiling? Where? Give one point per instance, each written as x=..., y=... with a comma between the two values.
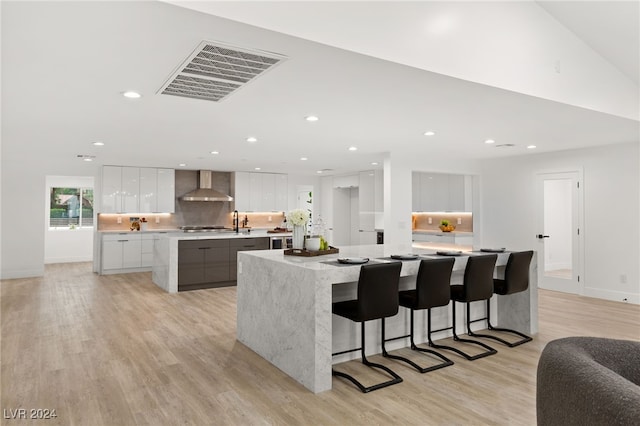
x=378, y=75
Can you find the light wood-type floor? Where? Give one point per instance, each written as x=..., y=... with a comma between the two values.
x=117, y=350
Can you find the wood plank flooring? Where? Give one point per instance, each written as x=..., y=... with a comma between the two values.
x=117, y=350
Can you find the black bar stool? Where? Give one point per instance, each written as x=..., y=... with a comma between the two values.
x=516, y=279
x=377, y=298
x=432, y=290
x=477, y=285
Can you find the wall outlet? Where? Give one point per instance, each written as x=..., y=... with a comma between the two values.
x=157, y=219
x=459, y=221
x=119, y=219
x=430, y=221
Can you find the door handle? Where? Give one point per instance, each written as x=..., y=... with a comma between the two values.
x=540, y=236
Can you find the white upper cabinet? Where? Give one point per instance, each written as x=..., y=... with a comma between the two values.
x=282, y=193
x=137, y=190
x=166, y=200
x=349, y=181
x=260, y=192
x=366, y=201
x=435, y=192
x=148, y=190
x=111, y=187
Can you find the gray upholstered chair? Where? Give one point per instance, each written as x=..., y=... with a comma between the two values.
x=589, y=381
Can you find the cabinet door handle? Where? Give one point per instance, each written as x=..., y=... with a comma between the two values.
x=204, y=248
x=123, y=241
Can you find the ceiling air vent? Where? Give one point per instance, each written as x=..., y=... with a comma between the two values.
x=214, y=70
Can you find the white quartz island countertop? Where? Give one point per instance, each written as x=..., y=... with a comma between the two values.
x=284, y=308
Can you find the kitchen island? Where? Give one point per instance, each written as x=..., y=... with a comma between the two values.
x=284, y=308
x=194, y=260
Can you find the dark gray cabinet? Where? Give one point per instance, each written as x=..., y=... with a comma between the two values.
x=244, y=244
x=202, y=262
x=212, y=263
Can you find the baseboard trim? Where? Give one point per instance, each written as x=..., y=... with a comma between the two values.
x=617, y=296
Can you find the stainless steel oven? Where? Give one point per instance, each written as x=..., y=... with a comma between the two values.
x=281, y=242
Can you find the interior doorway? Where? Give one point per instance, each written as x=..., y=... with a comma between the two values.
x=560, y=231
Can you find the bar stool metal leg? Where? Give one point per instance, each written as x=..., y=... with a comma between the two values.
x=445, y=361
x=488, y=349
x=524, y=337
x=365, y=389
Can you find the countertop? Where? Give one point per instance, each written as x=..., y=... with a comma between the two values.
x=181, y=235
x=433, y=232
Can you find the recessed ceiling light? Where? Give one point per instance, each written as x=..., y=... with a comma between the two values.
x=98, y=143
x=252, y=139
x=374, y=164
x=311, y=118
x=257, y=168
x=429, y=133
x=88, y=159
x=182, y=165
x=215, y=152
x=353, y=148
x=303, y=158
x=489, y=141
x=531, y=147
x=318, y=171
x=131, y=94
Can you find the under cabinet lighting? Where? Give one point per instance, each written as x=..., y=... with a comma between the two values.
x=489, y=141
x=531, y=147
x=429, y=133
x=182, y=165
x=374, y=164
x=252, y=139
x=311, y=118
x=257, y=168
x=215, y=152
x=98, y=143
x=303, y=158
x=353, y=148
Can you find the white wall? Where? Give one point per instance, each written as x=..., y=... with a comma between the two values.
x=66, y=245
x=611, y=211
x=23, y=197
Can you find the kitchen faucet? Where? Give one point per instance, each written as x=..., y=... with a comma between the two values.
x=235, y=221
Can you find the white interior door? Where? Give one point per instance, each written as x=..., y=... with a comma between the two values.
x=560, y=231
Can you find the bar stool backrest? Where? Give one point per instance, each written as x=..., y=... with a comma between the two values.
x=478, y=277
x=516, y=273
x=378, y=290
x=433, y=283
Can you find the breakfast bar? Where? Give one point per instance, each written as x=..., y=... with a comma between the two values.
x=284, y=308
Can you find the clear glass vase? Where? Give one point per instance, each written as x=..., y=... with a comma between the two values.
x=298, y=237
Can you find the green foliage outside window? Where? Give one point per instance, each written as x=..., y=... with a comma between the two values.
x=71, y=207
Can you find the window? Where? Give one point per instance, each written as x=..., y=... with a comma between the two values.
x=71, y=208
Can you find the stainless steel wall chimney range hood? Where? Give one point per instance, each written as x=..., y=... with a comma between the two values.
x=205, y=192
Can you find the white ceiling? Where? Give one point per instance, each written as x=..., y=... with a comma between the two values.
x=65, y=64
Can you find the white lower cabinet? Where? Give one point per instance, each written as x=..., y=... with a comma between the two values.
x=126, y=252
x=146, y=250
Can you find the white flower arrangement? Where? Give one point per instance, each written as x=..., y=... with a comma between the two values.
x=298, y=217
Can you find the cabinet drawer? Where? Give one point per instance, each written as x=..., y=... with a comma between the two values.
x=202, y=243
x=259, y=243
x=121, y=236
